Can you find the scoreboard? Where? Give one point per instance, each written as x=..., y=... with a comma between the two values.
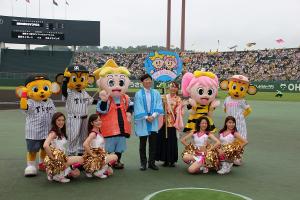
x=21, y=30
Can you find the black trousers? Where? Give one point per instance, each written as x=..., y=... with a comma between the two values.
x=152, y=148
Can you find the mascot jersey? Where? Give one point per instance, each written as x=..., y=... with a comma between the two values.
x=235, y=108
x=38, y=118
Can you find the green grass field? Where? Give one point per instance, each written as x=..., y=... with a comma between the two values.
x=271, y=169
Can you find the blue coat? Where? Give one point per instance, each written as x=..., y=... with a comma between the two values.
x=142, y=126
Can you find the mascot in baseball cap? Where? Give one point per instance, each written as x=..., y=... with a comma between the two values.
x=38, y=107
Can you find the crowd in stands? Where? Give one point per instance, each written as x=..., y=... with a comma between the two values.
x=273, y=64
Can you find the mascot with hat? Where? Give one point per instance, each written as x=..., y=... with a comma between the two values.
x=235, y=105
x=39, y=108
x=75, y=79
x=114, y=107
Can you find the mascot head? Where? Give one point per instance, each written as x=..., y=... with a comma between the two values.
x=200, y=86
x=78, y=76
x=238, y=86
x=112, y=78
x=38, y=87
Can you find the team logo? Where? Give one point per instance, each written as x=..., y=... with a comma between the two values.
x=76, y=68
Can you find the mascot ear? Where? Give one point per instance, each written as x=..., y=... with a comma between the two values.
x=91, y=79
x=55, y=88
x=252, y=90
x=19, y=91
x=59, y=78
x=224, y=84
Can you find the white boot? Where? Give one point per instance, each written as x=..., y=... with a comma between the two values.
x=223, y=169
x=229, y=166
x=30, y=170
x=61, y=178
x=100, y=173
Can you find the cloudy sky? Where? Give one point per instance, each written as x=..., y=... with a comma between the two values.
x=143, y=22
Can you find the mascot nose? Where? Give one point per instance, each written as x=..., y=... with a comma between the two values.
x=42, y=92
x=78, y=85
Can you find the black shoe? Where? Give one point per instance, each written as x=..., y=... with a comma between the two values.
x=143, y=167
x=153, y=166
x=172, y=165
x=166, y=164
x=118, y=165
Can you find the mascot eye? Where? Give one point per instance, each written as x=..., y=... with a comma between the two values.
x=73, y=78
x=46, y=88
x=121, y=83
x=200, y=91
x=242, y=88
x=210, y=92
x=234, y=86
x=35, y=89
x=111, y=83
x=82, y=79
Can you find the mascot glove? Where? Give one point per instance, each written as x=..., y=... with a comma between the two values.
x=103, y=95
x=214, y=104
x=67, y=73
x=192, y=102
x=24, y=93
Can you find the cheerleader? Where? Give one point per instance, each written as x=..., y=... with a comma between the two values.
x=228, y=134
x=58, y=165
x=200, y=140
x=96, y=160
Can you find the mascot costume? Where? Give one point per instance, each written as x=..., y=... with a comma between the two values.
x=114, y=107
x=39, y=108
x=235, y=105
x=202, y=88
x=75, y=79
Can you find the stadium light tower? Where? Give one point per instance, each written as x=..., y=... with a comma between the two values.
x=182, y=42
x=168, y=25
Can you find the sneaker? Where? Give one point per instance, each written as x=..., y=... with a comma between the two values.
x=205, y=170
x=223, y=169
x=237, y=162
x=89, y=175
x=99, y=174
x=229, y=166
x=50, y=178
x=118, y=165
x=60, y=178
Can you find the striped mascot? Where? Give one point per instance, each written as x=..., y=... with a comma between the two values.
x=38, y=107
x=75, y=79
x=202, y=88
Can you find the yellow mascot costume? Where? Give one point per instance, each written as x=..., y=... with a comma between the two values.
x=39, y=108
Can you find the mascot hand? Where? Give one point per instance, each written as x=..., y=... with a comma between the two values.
x=67, y=73
x=24, y=93
x=103, y=95
x=214, y=104
x=128, y=115
x=192, y=102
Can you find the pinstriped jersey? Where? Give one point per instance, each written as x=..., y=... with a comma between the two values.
x=77, y=102
x=235, y=107
x=38, y=119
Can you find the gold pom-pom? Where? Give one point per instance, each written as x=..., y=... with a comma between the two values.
x=233, y=150
x=56, y=165
x=212, y=158
x=92, y=164
x=189, y=149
